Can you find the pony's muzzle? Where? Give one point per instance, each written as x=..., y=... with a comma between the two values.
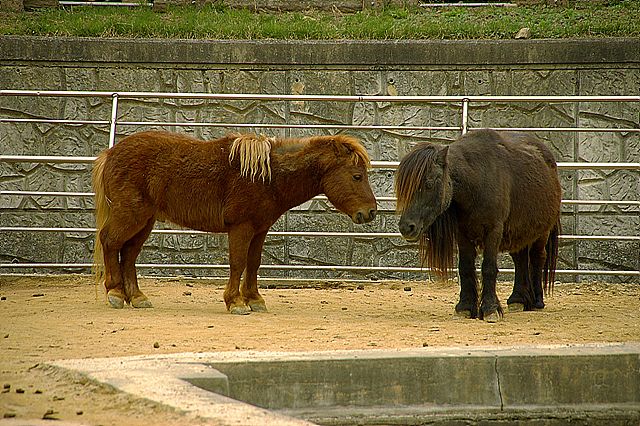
x=409, y=230
x=364, y=217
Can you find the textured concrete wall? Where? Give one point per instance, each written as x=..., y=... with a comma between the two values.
x=608, y=67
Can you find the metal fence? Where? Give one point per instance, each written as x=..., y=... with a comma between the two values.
x=461, y=103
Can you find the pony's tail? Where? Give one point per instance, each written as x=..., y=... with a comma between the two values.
x=549, y=272
x=102, y=211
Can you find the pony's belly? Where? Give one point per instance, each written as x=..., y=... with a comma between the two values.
x=523, y=237
x=196, y=225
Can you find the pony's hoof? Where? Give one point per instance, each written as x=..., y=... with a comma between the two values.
x=141, y=302
x=258, y=306
x=493, y=317
x=516, y=307
x=240, y=310
x=463, y=314
x=115, y=301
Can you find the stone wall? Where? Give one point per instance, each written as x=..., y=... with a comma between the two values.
x=589, y=67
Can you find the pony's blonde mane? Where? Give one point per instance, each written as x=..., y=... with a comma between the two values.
x=253, y=153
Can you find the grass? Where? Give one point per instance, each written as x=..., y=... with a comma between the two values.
x=615, y=19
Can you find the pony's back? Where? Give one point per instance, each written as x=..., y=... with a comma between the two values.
x=514, y=173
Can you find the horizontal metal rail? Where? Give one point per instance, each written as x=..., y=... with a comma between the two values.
x=291, y=126
x=318, y=126
x=336, y=98
x=566, y=129
x=299, y=267
x=375, y=164
x=53, y=121
x=47, y=194
x=376, y=127
x=53, y=159
x=317, y=198
x=299, y=233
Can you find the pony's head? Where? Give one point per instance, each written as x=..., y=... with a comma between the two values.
x=424, y=192
x=345, y=181
x=423, y=188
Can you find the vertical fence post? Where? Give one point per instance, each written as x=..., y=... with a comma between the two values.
x=465, y=115
x=114, y=117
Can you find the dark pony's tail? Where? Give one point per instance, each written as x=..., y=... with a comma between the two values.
x=549, y=272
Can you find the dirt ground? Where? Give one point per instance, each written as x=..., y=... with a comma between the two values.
x=62, y=317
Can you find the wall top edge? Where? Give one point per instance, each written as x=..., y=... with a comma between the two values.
x=321, y=52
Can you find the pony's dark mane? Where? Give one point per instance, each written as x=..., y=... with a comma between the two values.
x=437, y=244
x=411, y=173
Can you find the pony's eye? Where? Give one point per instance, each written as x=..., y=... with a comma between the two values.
x=357, y=178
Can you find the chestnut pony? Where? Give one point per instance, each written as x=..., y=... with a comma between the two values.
x=238, y=184
x=492, y=191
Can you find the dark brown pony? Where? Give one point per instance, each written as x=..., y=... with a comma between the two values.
x=239, y=184
x=490, y=191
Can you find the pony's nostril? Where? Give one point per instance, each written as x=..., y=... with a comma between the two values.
x=359, y=218
x=407, y=229
x=372, y=214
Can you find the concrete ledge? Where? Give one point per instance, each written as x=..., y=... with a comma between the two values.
x=596, y=383
x=326, y=53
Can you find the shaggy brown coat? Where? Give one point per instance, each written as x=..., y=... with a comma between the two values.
x=239, y=184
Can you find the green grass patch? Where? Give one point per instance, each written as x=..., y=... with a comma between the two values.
x=615, y=19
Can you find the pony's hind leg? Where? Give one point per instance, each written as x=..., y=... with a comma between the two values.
x=128, y=255
x=538, y=256
x=249, y=289
x=113, y=282
x=521, y=298
x=119, y=229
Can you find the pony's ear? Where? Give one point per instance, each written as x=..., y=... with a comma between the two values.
x=441, y=158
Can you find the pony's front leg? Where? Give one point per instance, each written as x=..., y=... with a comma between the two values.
x=240, y=237
x=467, y=306
x=490, y=309
x=249, y=287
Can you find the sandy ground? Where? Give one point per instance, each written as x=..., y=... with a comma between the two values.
x=48, y=318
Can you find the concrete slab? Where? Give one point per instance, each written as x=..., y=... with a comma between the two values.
x=552, y=384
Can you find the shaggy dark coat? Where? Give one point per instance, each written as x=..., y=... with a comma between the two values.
x=488, y=191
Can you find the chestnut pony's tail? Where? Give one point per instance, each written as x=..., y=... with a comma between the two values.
x=102, y=211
